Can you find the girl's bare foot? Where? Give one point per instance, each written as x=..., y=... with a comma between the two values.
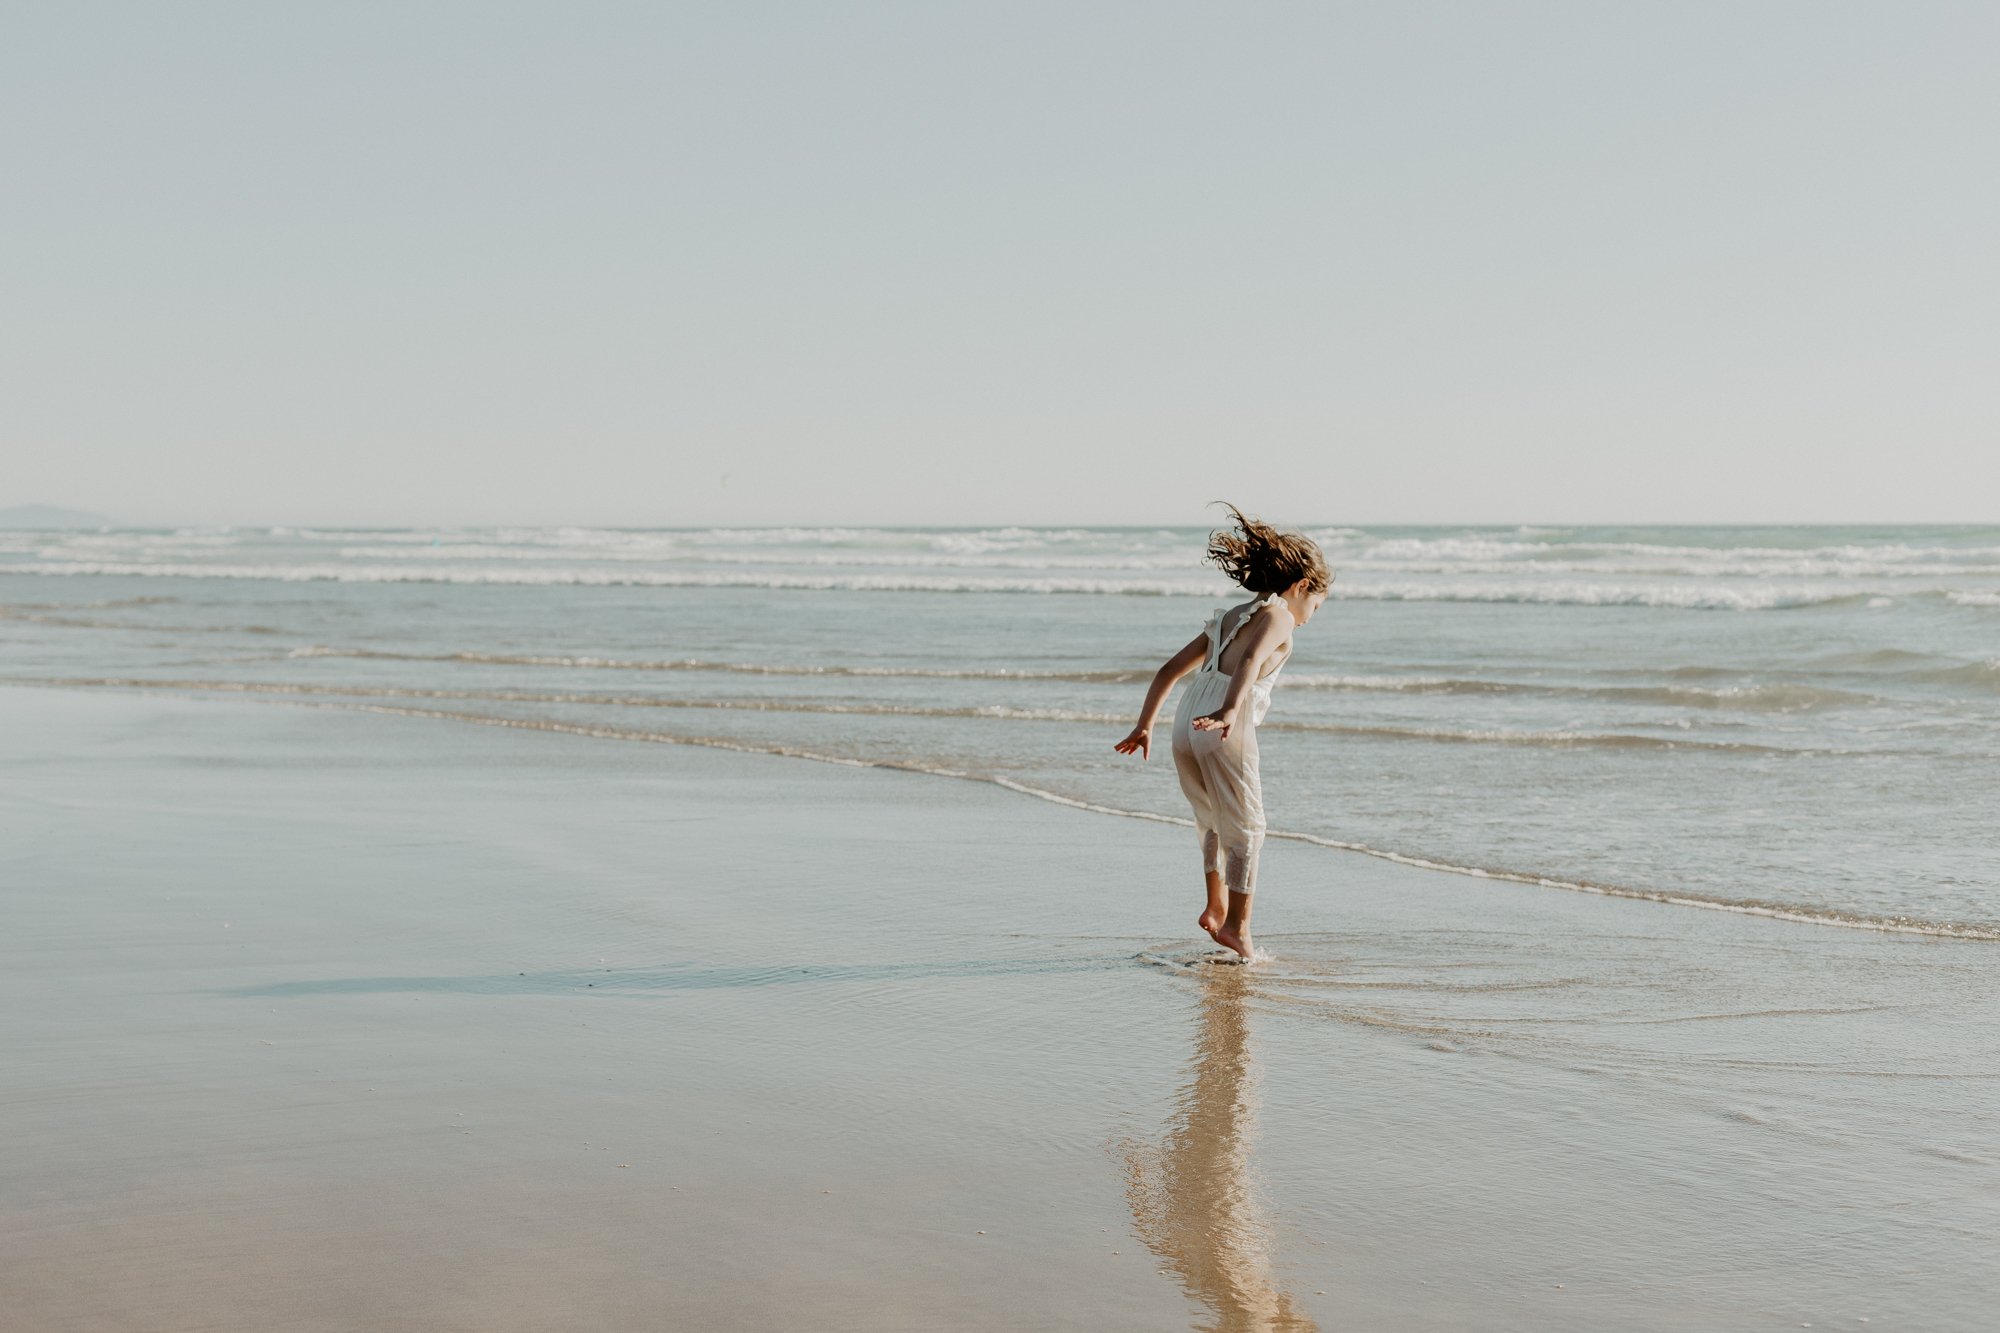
x=1217, y=910
x=1229, y=937
x=1234, y=932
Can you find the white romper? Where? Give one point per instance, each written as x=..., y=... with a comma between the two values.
x=1219, y=776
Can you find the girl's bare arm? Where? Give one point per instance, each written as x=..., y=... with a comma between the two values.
x=1164, y=680
x=1266, y=631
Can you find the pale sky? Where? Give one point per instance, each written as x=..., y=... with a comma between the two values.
x=939, y=262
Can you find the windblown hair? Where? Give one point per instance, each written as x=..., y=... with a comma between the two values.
x=1265, y=560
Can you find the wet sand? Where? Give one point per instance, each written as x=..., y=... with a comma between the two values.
x=325, y=1020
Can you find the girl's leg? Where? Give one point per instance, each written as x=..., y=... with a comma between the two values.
x=1194, y=785
x=1213, y=915
x=1239, y=806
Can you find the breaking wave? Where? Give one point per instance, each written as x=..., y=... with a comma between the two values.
x=589, y=663
x=1561, y=740
x=1694, y=597
x=1778, y=697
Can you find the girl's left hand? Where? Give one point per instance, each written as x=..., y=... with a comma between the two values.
x=1221, y=722
x=1139, y=742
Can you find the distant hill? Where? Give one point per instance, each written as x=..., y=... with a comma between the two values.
x=48, y=516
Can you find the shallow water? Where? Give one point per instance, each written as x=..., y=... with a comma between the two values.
x=355, y=1005
x=1799, y=721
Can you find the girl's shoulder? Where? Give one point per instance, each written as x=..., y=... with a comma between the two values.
x=1275, y=613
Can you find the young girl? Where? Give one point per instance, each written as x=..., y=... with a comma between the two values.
x=1215, y=730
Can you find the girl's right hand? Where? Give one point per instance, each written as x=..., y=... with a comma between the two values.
x=1221, y=720
x=1140, y=742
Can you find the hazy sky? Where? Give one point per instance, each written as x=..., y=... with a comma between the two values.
x=951, y=262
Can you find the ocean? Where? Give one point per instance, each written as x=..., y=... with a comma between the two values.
x=1800, y=722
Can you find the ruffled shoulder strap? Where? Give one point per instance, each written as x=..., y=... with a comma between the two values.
x=1241, y=621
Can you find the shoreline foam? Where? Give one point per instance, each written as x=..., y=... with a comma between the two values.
x=1796, y=914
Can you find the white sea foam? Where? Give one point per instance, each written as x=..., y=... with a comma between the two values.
x=733, y=556
x=1777, y=696
x=1303, y=680
x=996, y=712
x=837, y=708
x=1668, y=568
x=1713, y=596
x=1681, y=596
x=587, y=577
x=585, y=661
x=1550, y=567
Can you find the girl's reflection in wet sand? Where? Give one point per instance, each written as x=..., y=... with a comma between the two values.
x=1191, y=1196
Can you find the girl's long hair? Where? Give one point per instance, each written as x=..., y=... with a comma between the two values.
x=1265, y=560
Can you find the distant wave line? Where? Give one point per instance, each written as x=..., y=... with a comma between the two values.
x=586, y=662
x=992, y=712
x=1432, y=544
x=948, y=566
x=324, y=573
x=1780, y=696
x=999, y=712
x=1663, y=596
x=1473, y=559
x=1768, y=696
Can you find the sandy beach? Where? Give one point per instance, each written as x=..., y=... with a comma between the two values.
x=320, y=1019
x=582, y=593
